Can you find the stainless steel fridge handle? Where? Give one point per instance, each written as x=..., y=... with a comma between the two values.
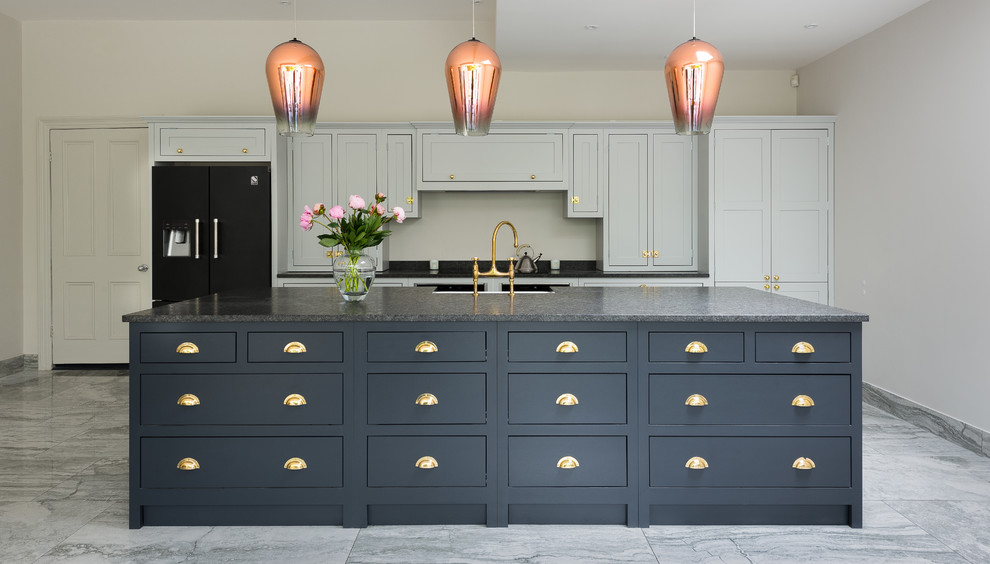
x=216, y=235
x=196, y=240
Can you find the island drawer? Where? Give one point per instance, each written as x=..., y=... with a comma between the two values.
x=241, y=399
x=695, y=347
x=803, y=347
x=295, y=346
x=241, y=462
x=750, y=462
x=427, y=346
x=578, y=461
x=427, y=461
x=188, y=347
x=427, y=398
x=567, y=346
x=567, y=398
x=757, y=399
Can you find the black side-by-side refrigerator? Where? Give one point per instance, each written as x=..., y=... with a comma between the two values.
x=212, y=230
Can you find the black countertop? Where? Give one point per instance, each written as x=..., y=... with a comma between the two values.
x=565, y=304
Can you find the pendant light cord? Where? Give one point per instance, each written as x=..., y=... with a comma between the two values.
x=473, y=4
x=295, y=32
x=694, y=19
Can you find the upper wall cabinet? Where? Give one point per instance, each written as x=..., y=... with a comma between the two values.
x=236, y=140
x=586, y=194
x=651, y=207
x=504, y=160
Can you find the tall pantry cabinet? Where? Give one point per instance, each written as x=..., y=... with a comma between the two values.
x=771, y=196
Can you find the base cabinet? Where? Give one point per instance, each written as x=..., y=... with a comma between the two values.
x=495, y=423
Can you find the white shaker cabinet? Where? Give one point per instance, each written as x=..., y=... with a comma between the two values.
x=586, y=194
x=771, y=198
x=651, y=206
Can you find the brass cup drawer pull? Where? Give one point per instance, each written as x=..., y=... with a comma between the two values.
x=803, y=401
x=295, y=347
x=567, y=399
x=187, y=348
x=696, y=347
x=427, y=463
x=567, y=347
x=294, y=463
x=696, y=463
x=188, y=400
x=294, y=400
x=188, y=464
x=802, y=347
x=696, y=400
x=568, y=463
x=426, y=347
x=803, y=463
x=427, y=399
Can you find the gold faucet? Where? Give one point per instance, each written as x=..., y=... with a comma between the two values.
x=494, y=271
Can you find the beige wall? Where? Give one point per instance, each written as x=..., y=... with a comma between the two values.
x=911, y=199
x=11, y=261
x=376, y=71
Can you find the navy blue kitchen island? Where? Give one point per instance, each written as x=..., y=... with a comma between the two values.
x=634, y=406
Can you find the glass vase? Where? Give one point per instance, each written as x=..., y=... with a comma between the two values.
x=353, y=272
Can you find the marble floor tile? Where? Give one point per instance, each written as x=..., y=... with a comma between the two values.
x=30, y=529
x=922, y=478
x=531, y=544
x=963, y=526
x=886, y=536
x=106, y=480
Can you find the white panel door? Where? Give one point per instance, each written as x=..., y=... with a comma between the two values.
x=742, y=205
x=311, y=184
x=673, y=201
x=584, y=199
x=101, y=229
x=799, y=176
x=627, y=218
x=399, y=173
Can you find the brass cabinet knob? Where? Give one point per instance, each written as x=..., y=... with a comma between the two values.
x=646, y=254
x=179, y=150
x=294, y=400
x=532, y=177
x=696, y=400
x=188, y=464
x=188, y=400
x=295, y=347
x=766, y=286
x=451, y=176
x=775, y=277
x=575, y=200
x=803, y=463
x=427, y=399
x=803, y=401
x=656, y=253
x=776, y=286
x=244, y=150
x=567, y=347
x=294, y=464
x=567, y=399
x=696, y=463
x=568, y=463
x=410, y=200
x=766, y=277
x=187, y=348
x=426, y=347
x=427, y=463
x=696, y=347
x=802, y=347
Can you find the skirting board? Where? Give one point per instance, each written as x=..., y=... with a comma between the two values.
x=941, y=425
x=18, y=363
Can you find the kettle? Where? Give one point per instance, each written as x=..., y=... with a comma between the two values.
x=526, y=264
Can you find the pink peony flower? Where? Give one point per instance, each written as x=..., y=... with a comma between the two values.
x=336, y=212
x=356, y=202
x=400, y=214
x=307, y=210
x=318, y=209
x=379, y=209
x=306, y=221
x=379, y=197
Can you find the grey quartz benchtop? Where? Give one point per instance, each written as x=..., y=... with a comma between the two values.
x=566, y=304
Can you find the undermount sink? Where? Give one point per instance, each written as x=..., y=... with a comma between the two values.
x=469, y=289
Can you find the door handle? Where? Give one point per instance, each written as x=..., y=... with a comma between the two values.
x=143, y=268
x=216, y=240
x=196, y=240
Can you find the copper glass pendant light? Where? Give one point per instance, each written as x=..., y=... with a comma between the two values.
x=295, y=81
x=694, y=74
x=472, y=70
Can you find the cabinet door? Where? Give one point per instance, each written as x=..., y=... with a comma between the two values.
x=799, y=176
x=742, y=205
x=311, y=184
x=587, y=169
x=673, y=201
x=399, y=173
x=495, y=158
x=626, y=223
x=356, y=172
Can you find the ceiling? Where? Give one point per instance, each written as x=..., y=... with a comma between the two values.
x=551, y=34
